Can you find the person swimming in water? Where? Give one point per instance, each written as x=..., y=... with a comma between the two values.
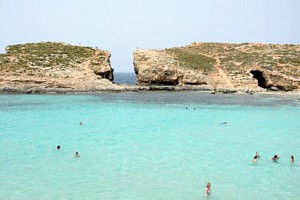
x=58, y=147
x=275, y=158
x=292, y=159
x=207, y=189
x=76, y=155
x=256, y=157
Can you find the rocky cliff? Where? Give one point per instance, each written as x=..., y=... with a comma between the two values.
x=245, y=67
x=49, y=65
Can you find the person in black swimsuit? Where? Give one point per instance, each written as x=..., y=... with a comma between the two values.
x=292, y=159
x=256, y=157
x=275, y=158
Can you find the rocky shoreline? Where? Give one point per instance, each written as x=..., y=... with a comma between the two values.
x=135, y=88
x=49, y=67
x=245, y=66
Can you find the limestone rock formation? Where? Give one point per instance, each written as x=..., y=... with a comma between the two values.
x=49, y=65
x=247, y=66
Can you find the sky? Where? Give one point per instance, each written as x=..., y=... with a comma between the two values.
x=121, y=26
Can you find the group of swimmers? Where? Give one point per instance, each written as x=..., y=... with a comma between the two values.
x=76, y=154
x=187, y=108
x=275, y=158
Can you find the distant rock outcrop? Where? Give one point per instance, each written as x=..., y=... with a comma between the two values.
x=219, y=66
x=48, y=66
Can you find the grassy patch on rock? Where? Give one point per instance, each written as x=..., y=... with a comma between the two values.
x=241, y=57
x=37, y=58
x=193, y=60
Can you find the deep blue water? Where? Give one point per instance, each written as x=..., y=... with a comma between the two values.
x=125, y=78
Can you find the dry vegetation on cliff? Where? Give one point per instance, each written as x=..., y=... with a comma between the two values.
x=222, y=65
x=189, y=59
x=40, y=59
x=237, y=57
x=36, y=66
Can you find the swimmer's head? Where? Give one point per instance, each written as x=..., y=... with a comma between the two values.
x=58, y=147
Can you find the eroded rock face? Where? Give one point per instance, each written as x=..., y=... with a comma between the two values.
x=221, y=66
x=158, y=67
x=55, y=65
x=102, y=67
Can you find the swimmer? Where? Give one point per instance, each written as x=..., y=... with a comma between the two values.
x=292, y=159
x=76, y=155
x=223, y=123
x=207, y=189
x=275, y=158
x=257, y=156
x=58, y=147
x=80, y=123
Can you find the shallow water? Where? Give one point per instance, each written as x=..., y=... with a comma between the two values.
x=153, y=145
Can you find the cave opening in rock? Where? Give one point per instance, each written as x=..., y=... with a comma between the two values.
x=258, y=75
x=107, y=75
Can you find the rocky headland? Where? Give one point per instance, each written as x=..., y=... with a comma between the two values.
x=50, y=67
x=55, y=67
x=246, y=67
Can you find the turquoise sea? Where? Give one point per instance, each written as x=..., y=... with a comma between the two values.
x=149, y=146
